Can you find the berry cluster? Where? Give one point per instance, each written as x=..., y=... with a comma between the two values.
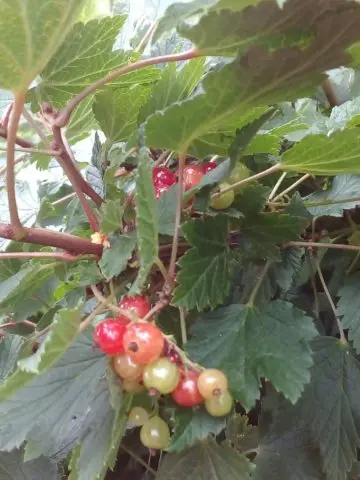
x=144, y=359
x=163, y=179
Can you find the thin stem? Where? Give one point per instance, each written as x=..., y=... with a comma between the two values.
x=66, y=257
x=156, y=308
x=251, y=301
x=49, y=238
x=52, y=153
x=18, y=160
x=68, y=165
x=164, y=273
x=26, y=323
x=6, y=116
x=257, y=176
x=336, y=246
x=63, y=199
x=353, y=264
x=161, y=158
x=175, y=244
x=11, y=141
x=145, y=40
x=35, y=126
x=331, y=302
x=292, y=186
x=277, y=186
x=136, y=457
x=88, y=320
x=64, y=116
x=18, y=140
x=313, y=283
x=183, y=326
x=319, y=204
x=105, y=301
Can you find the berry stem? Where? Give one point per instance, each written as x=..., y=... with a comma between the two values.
x=105, y=301
x=183, y=326
x=292, y=187
x=336, y=246
x=88, y=320
x=138, y=459
x=164, y=273
x=257, y=176
x=331, y=302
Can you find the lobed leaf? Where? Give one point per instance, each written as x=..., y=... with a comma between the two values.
x=191, y=426
x=249, y=343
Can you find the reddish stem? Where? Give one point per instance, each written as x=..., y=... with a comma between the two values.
x=64, y=256
x=6, y=116
x=64, y=115
x=70, y=169
x=49, y=238
x=10, y=178
x=19, y=141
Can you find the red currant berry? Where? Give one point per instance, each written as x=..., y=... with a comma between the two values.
x=126, y=368
x=187, y=393
x=192, y=175
x=137, y=304
x=161, y=375
x=208, y=166
x=108, y=335
x=163, y=177
x=212, y=382
x=144, y=342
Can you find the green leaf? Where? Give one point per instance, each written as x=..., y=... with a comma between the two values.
x=335, y=385
x=204, y=276
x=82, y=121
x=13, y=467
x=78, y=64
x=167, y=210
x=284, y=455
x=270, y=228
x=69, y=390
x=191, y=426
x=115, y=258
x=83, y=273
x=147, y=220
x=22, y=284
x=206, y=460
x=178, y=12
x=112, y=212
x=349, y=308
x=323, y=155
x=240, y=433
x=226, y=32
x=117, y=110
x=344, y=187
x=62, y=334
x=192, y=124
x=173, y=86
x=248, y=344
x=100, y=446
x=10, y=346
x=41, y=27
x=264, y=143
x=252, y=199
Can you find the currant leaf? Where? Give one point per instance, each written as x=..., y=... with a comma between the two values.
x=204, y=277
x=247, y=344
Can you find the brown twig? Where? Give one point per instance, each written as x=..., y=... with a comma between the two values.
x=18, y=160
x=10, y=178
x=26, y=323
x=69, y=167
x=64, y=115
x=49, y=238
